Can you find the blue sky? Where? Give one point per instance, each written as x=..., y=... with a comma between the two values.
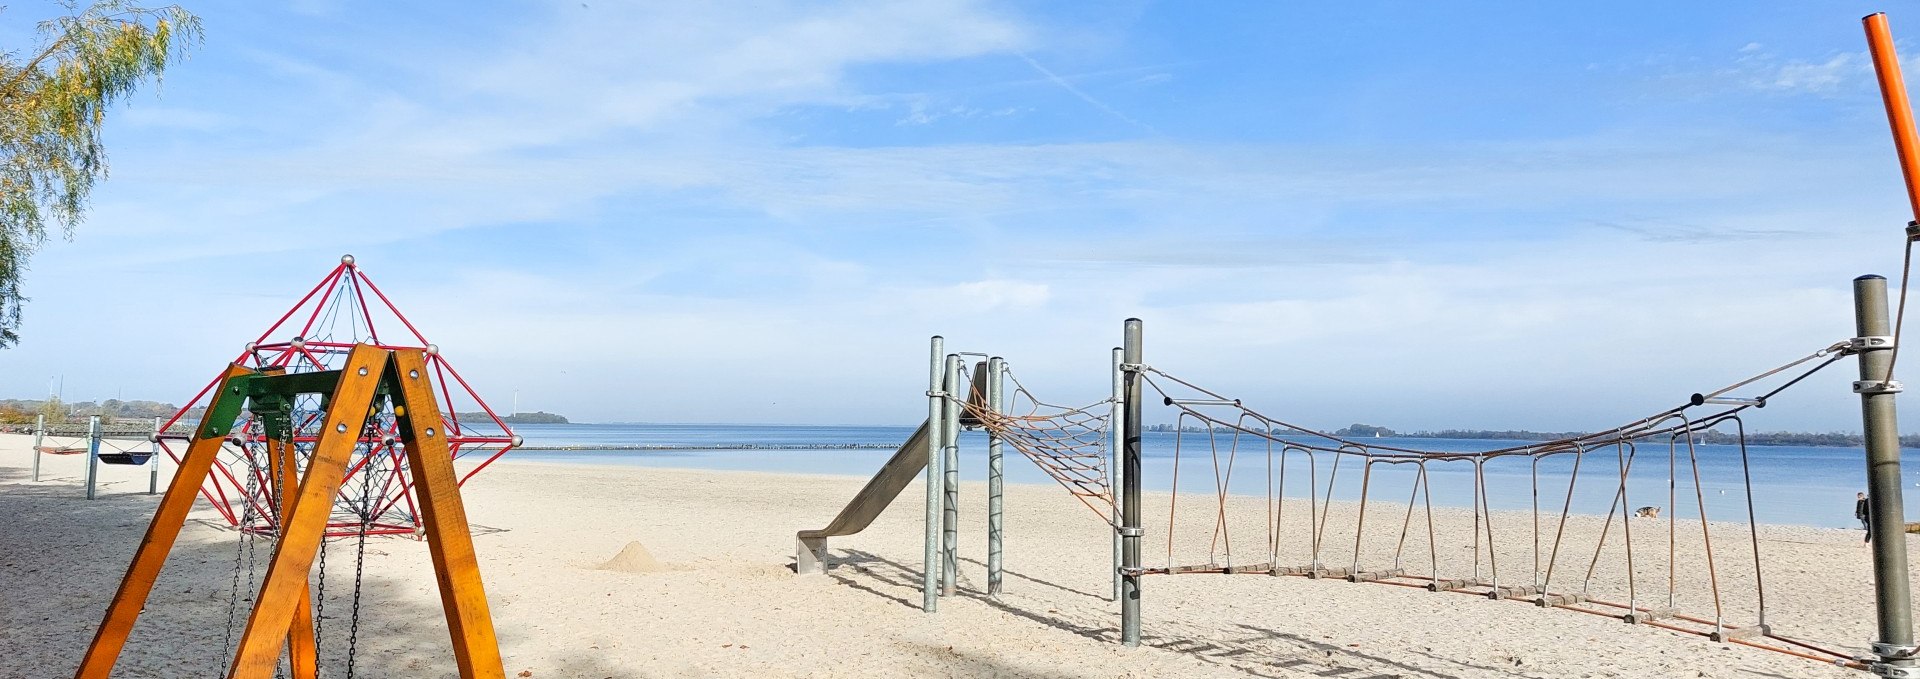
x=1502, y=215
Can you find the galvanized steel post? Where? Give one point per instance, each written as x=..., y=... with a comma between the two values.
x=153, y=451
x=1886, y=525
x=1116, y=419
x=93, y=452
x=950, y=519
x=1130, y=497
x=996, y=471
x=39, y=438
x=936, y=416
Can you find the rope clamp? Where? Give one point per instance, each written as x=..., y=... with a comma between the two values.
x=1133, y=572
x=937, y=394
x=1132, y=367
x=1873, y=387
x=1132, y=531
x=1869, y=343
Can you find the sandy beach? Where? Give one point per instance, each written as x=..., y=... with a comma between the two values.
x=723, y=599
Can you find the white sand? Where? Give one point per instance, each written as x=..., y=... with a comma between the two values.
x=714, y=594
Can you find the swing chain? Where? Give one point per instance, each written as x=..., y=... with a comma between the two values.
x=360, y=544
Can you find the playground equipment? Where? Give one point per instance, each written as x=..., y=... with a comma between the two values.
x=101, y=446
x=1232, y=435
x=315, y=335
x=1070, y=444
x=379, y=394
x=934, y=448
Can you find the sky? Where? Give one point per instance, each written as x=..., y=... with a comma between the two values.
x=1550, y=216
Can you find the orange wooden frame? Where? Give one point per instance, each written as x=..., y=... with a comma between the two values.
x=281, y=618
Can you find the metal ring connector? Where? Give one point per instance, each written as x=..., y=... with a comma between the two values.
x=1869, y=343
x=1870, y=387
x=1895, y=651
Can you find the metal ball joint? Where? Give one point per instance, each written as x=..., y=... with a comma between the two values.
x=517, y=441
x=433, y=350
x=299, y=342
x=346, y=259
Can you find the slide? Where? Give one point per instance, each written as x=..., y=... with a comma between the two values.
x=900, y=470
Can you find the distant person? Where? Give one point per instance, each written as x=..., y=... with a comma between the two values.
x=1860, y=512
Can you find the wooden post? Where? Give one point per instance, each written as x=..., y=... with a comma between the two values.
x=286, y=580
x=151, y=555
x=444, y=516
x=302, y=651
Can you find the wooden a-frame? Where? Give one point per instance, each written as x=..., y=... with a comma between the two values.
x=281, y=615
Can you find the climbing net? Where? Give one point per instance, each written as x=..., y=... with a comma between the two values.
x=315, y=335
x=1545, y=544
x=1070, y=444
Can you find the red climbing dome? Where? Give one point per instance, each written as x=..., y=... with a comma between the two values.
x=315, y=335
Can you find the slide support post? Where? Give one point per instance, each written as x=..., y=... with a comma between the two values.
x=996, y=471
x=936, y=417
x=950, y=479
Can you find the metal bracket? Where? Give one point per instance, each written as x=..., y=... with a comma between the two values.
x=1913, y=230
x=1869, y=343
x=1894, y=671
x=937, y=394
x=1132, y=367
x=1131, y=531
x=1133, y=572
x=1895, y=651
x=1871, y=387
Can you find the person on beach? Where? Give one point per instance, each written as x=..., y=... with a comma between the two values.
x=1860, y=512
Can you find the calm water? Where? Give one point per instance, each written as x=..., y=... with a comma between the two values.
x=1791, y=484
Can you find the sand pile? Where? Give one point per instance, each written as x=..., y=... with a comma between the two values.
x=634, y=558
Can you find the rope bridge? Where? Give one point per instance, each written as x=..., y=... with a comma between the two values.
x=1567, y=560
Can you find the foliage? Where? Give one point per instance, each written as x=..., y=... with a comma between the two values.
x=537, y=417
x=1357, y=430
x=53, y=103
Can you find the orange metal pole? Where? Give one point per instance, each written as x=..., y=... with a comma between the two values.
x=1893, y=91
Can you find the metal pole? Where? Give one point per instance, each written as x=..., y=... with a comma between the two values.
x=996, y=477
x=936, y=417
x=950, y=517
x=93, y=452
x=1130, y=497
x=153, y=450
x=1886, y=523
x=39, y=439
x=1116, y=419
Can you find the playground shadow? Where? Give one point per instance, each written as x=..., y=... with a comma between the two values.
x=63, y=557
x=1248, y=649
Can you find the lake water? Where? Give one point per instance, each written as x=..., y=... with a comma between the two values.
x=1791, y=484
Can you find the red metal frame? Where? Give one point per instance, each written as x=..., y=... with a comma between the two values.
x=339, y=304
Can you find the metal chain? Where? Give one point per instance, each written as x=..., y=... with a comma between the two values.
x=320, y=601
x=243, y=551
x=360, y=546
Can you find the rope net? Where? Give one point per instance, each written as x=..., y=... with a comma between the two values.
x=1069, y=444
x=1616, y=522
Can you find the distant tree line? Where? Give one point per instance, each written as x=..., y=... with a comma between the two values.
x=24, y=411
x=535, y=417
